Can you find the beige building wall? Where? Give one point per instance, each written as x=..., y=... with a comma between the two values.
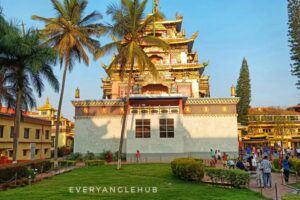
x=43, y=144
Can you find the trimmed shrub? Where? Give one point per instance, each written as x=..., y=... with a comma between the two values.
x=64, y=151
x=291, y=197
x=75, y=156
x=66, y=163
x=295, y=165
x=89, y=163
x=188, y=168
x=276, y=163
x=235, y=177
x=89, y=156
x=23, y=170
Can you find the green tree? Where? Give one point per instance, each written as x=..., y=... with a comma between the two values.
x=24, y=64
x=70, y=34
x=294, y=37
x=243, y=91
x=127, y=31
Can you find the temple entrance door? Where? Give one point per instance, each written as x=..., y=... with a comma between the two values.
x=155, y=89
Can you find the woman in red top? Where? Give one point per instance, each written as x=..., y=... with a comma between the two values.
x=137, y=156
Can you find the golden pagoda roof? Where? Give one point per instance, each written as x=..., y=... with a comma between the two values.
x=46, y=106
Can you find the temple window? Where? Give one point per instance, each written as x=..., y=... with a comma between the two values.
x=142, y=128
x=166, y=128
x=266, y=130
x=123, y=91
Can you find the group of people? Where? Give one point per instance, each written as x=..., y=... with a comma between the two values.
x=272, y=152
x=258, y=161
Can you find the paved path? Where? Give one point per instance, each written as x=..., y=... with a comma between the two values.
x=282, y=189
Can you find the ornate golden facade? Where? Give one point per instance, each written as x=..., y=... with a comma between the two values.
x=178, y=68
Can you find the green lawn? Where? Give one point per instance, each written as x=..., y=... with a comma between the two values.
x=296, y=185
x=144, y=175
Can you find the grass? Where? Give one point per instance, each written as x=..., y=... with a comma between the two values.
x=296, y=185
x=143, y=175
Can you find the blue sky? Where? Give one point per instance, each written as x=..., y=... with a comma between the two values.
x=228, y=31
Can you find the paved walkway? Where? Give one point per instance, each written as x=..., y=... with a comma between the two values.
x=282, y=189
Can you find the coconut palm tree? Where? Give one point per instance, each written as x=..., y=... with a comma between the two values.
x=70, y=34
x=127, y=32
x=25, y=65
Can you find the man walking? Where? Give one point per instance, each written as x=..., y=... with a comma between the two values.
x=267, y=169
x=286, y=169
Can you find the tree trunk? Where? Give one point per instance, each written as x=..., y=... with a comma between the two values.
x=17, y=126
x=58, y=115
x=126, y=103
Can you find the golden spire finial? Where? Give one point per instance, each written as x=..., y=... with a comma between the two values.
x=155, y=6
x=47, y=101
x=77, y=93
x=233, y=91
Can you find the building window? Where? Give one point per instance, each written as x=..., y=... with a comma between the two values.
x=52, y=141
x=36, y=152
x=1, y=131
x=298, y=130
x=44, y=113
x=24, y=152
x=166, y=128
x=12, y=132
x=37, y=133
x=26, y=133
x=142, y=128
x=47, y=135
x=10, y=153
x=45, y=151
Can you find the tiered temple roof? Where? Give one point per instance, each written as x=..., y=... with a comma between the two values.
x=178, y=68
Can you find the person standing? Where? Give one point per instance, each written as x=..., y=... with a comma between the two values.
x=225, y=158
x=259, y=176
x=137, y=156
x=286, y=169
x=212, y=154
x=267, y=170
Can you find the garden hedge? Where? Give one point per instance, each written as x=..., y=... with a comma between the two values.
x=66, y=163
x=295, y=165
x=188, y=168
x=235, y=177
x=21, y=170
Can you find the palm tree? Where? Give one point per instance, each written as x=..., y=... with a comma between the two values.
x=6, y=91
x=25, y=64
x=69, y=33
x=127, y=31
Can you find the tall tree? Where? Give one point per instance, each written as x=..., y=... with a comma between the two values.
x=127, y=31
x=70, y=34
x=294, y=37
x=6, y=91
x=243, y=91
x=25, y=65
